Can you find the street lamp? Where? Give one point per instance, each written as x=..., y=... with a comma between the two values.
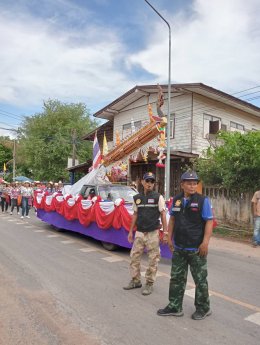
x=168, y=157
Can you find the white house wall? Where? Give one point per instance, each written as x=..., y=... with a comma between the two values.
x=203, y=105
x=138, y=111
x=180, y=106
x=189, y=110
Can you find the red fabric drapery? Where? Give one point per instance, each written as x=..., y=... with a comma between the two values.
x=69, y=211
x=103, y=220
x=58, y=205
x=85, y=216
x=122, y=218
x=47, y=207
x=74, y=209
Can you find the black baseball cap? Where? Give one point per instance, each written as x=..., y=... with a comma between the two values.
x=149, y=176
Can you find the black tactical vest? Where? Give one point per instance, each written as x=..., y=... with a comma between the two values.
x=189, y=225
x=147, y=211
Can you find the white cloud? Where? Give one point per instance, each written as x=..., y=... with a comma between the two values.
x=218, y=43
x=39, y=61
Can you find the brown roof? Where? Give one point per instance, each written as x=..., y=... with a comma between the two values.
x=140, y=91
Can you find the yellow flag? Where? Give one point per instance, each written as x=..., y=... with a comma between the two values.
x=105, y=147
x=5, y=168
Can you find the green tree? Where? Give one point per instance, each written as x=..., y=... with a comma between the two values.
x=46, y=140
x=6, y=152
x=235, y=164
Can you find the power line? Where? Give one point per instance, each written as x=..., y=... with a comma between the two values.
x=182, y=111
x=17, y=120
x=251, y=88
x=250, y=93
x=8, y=124
x=9, y=113
x=8, y=129
x=208, y=108
x=251, y=99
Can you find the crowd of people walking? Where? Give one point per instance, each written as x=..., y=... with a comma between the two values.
x=21, y=196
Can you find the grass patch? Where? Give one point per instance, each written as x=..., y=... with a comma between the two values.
x=239, y=234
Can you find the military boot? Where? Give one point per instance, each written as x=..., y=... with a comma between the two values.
x=200, y=314
x=133, y=284
x=168, y=311
x=148, y=289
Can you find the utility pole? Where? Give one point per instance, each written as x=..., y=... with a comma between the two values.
x=74, y=136
x=14, y=155
x=72, y=173
x=168, y=156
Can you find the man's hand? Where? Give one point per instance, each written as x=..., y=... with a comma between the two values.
x=165, y=238
x=203, y=249
x=170, y=245
x=130, y=237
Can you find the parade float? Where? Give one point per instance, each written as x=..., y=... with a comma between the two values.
x=100, y=217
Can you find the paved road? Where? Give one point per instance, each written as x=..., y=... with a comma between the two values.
x=62, y=288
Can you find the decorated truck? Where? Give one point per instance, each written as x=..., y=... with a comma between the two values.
x=101, y=211
x=96, y=207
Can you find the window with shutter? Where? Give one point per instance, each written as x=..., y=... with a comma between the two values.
x=211, y=125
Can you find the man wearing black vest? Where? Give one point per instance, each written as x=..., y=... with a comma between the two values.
x=148, y=206
x=189, y=231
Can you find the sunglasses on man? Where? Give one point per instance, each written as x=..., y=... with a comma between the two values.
x=150, y=180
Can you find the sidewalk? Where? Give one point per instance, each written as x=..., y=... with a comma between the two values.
x=231, y=245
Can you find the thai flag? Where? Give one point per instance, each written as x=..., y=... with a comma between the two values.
x=96, y=153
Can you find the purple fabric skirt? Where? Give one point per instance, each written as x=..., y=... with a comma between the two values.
x=111, y=235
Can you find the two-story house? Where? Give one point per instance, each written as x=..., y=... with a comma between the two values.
x=197, y=113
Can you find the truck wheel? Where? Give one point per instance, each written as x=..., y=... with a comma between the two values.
x=57, y=229
x=109, y=246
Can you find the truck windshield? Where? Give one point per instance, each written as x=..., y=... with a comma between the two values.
x=113, y=192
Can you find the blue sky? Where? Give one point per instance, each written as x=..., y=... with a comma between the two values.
x=93, y=51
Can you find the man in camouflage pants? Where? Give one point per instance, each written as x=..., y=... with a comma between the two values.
x=190, y=228
x=148, y=207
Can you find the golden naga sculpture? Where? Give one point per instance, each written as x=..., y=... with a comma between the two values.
x=137, y=140
x=141, y=137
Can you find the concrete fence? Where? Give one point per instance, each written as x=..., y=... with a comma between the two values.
x=231, y=208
